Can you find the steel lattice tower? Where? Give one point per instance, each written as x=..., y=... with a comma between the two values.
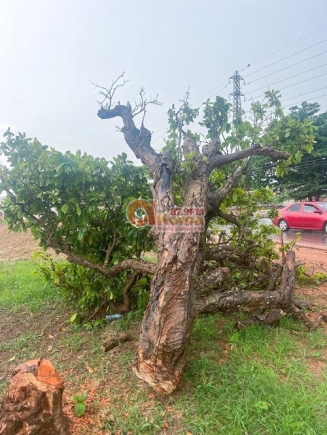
x=237, y=94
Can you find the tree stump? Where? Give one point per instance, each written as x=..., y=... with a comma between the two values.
x=32, y=404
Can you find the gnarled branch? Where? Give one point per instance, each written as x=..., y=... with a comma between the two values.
x=255, y=150
x=136, y=265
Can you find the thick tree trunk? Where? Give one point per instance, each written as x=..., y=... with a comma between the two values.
x=33, y=402
x=168, y=320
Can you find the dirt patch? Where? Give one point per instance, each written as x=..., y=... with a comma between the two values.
x=16, y=246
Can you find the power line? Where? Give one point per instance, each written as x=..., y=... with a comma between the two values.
x=306, y=93
x=282, y=69
x=294, y=166
x=287, y=57
x=283, y=48
x=309, y=99
x=294, y=84
x=287, y=78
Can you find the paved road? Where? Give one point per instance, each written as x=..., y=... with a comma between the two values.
x=308, y=238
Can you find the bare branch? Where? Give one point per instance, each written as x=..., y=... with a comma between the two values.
x=110, y=249
x=108, y=94
x=137, y=139
x=141, y=267
x=141, y=105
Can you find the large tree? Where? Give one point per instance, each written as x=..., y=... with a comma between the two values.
x=84, y=208
x=191, y=176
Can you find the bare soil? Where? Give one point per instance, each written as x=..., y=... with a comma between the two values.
x=16, y=246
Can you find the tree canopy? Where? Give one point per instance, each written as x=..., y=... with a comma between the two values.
x=76, y=205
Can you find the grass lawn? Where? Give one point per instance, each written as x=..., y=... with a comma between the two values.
x=257, y=381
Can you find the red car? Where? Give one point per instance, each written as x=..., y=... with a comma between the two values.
x=303, y=216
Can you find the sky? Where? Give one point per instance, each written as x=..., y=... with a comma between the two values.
x=51, y=51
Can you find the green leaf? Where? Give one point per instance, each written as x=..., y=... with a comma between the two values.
x=78, y=209
x=65, y=208
x=80, y=409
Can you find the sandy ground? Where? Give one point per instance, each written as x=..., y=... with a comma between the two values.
x=16, y=246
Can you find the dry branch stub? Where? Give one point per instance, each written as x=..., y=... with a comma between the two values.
x=116, y=341
x=32, y=404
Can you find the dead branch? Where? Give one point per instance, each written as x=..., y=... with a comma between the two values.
x=274, y=278
x=252, y=300
x=137, y=139
x=312, y=326
x=108, y=94
x=126, y=306
x=140, y=106
x=268, y=317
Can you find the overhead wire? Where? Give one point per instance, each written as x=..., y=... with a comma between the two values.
x=287, y=57
x=294, y=84
x=308, y=99
x=287, y=78
x=283, y=48
x=306, y=93
x=295, y=166
x=290, y=66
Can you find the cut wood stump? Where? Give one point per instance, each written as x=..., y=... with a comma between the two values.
x=32, y=404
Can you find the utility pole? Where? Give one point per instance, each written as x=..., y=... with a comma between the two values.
x=237, y=94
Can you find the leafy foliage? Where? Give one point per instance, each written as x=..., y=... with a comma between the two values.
x=75, y=204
